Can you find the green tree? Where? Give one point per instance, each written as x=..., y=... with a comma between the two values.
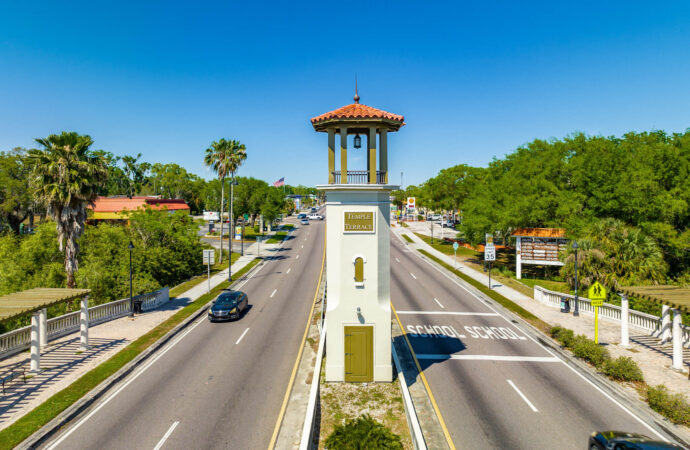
x=67, y=178
x=16, y=201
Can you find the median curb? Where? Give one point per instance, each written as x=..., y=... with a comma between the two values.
x=73, y=411
x=611, y=388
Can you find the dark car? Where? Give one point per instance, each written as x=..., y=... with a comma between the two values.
x=229, y=305
x=301, y=216
x=622, y=440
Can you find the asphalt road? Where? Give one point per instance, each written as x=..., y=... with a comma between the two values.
x=495, y=386
x=217, y=385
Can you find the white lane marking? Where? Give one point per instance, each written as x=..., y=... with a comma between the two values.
x=201, y=320
x=490, y=357
x=303, y=246
x=615, y=402
x=413, y=275
x=245, y=332
x=396, y=258
x=450, y=313
x=439, y=303
x=166, y=436
x=289, y=269
x=273, y=293
x=297, y=257
x=523, y=396
x=121, y=388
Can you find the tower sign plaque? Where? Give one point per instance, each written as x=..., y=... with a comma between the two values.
x=359, y=222
x=358, y=313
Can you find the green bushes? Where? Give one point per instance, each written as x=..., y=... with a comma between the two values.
x=673, y=406
x=363, y=433
x=622, y=368
x=407, y=238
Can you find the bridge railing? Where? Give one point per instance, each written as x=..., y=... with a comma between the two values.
x=19, y=340
x=640, y=320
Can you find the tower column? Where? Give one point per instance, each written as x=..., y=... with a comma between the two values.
x=331, y=155
x=383, y=153
x=371, y=158
x=343, y=155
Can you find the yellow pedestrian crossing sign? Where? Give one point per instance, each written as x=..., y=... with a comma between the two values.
x=597, y=293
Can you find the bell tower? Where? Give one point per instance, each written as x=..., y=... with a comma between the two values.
x=358, y=317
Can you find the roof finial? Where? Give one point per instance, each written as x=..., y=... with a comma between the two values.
x=356, y=94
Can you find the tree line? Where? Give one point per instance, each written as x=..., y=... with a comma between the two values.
x=626, y=200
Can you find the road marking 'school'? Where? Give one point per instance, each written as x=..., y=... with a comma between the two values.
x=505, y=358
x=245, y=332
x=449, y=313
x=413, y=275
x=523, y=396
x=439, y=303
x=273, y=293
x=166, y=436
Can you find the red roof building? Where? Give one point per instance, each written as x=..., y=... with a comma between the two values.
x=118, y=208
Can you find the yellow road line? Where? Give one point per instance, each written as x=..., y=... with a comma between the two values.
x=426, y=384
x=276, y=429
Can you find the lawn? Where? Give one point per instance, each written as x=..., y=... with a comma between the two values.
x=447, y=247
x=279, y=236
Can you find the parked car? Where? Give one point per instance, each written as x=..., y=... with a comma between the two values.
x=435, y=218
x=229, y=305
x=304, y=221
x=622, y=440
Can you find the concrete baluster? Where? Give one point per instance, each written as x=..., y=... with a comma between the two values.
x=677, y=341
x=665, y=334
x=35, y=344
x=84, y=324
x=624, y=321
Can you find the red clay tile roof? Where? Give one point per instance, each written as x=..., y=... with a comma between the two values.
x=540, y=232
x=117, y=204
x=358, y=111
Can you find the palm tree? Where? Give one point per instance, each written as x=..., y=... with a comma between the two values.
x=225, y=157
x=67, y=178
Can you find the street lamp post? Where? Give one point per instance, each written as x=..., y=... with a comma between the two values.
x=131, y=302
x=576, y=310
x=233, y=183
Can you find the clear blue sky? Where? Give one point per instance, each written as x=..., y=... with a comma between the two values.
x=473, y=80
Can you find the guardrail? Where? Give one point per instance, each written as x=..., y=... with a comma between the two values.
x=19, y=340
x=643, y=321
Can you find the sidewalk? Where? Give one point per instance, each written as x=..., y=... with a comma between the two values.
x=63, y=363
x=653, y=359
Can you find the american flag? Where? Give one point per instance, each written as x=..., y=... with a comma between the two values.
x=280, y=182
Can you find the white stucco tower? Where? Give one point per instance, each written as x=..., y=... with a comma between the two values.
x=358, y=315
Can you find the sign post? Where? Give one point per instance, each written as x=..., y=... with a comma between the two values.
x=489, y=253
x=596, y=294
x=455, y=254
x=209, y=259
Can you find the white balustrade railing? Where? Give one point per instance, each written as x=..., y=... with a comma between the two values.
x=647, y=322
x=19, y=340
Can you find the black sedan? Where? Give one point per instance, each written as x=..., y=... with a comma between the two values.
x=229, y=305
x=621, y=440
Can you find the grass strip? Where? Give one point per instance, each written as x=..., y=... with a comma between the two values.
x=446, y=246
x=505, y=302
x=407, y=238
x=279, y=236
x=48, y=410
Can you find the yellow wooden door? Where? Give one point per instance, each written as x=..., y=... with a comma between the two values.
x=359, y=354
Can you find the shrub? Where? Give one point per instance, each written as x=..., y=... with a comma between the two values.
x=623, y=368
x=589, y=350
x=673, y=406
x=363, y=433
x=563, y=335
